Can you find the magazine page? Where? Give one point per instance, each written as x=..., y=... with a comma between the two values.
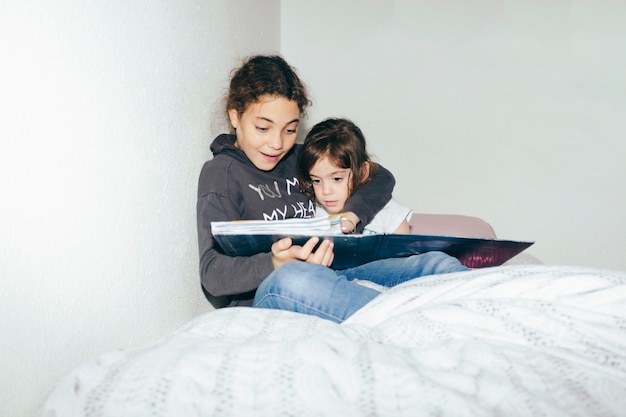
x=296, y=226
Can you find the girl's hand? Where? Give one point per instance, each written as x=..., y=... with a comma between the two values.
x=323, y=255
x=284, y=251
x=349, y=220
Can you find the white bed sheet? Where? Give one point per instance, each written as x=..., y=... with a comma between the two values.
x=522, y=340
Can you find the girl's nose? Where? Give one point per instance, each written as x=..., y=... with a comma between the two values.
x=276, y=142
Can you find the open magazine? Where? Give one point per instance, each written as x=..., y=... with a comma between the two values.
x=249, y=237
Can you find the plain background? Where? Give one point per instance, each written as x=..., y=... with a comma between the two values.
x=512, y=111
x=107, y=109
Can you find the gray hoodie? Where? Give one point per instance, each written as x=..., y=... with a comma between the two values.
x=232, y=188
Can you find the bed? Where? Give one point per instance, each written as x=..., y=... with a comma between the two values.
x=513, y=340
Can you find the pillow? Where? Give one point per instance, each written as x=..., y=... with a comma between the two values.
x=450, y=225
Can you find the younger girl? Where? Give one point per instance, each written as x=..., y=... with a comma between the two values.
x=334, y=164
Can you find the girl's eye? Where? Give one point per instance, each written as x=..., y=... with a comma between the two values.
x=262, y=129
x=291, y=131
x=338, y=179
x=316, y=181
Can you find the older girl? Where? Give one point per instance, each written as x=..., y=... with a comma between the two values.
x=252, y=176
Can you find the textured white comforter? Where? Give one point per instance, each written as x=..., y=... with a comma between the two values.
x=530, y=340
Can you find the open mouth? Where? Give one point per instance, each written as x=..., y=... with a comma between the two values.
x=270, y=157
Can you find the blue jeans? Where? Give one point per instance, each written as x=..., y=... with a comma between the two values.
x=332, y=294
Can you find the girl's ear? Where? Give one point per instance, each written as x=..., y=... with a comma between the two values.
x=233, y=115
x=365, y=172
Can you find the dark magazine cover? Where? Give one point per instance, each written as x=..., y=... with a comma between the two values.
x=246, y=238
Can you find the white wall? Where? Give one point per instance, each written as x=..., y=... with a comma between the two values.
x=106, y=111
x=504, y=110
x=513, y=111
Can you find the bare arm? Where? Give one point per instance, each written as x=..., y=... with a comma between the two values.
x=404, y=228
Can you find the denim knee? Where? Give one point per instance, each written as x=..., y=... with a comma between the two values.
x=440, y=262
x=291, y=279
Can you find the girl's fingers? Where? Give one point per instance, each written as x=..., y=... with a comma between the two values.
x=307, y=248
x=324, y=254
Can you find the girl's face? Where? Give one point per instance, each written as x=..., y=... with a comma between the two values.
x=331, y=185
x=266, y=130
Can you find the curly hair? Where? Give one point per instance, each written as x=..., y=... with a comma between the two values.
x=261, y=75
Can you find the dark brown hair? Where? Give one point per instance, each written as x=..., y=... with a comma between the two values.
x=343, y=143
x=263, y=75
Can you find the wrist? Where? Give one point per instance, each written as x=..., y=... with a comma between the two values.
x=349, y=222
